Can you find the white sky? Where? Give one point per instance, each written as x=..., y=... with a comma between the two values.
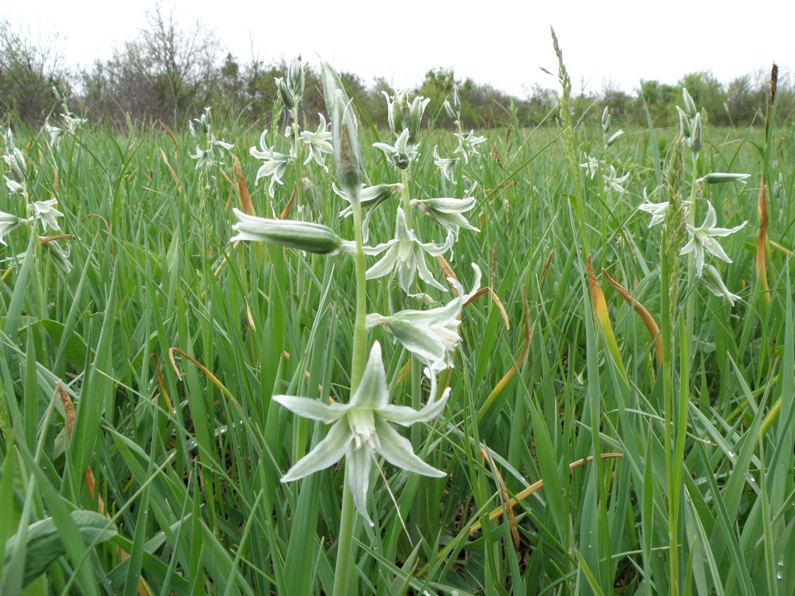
x=500, y=42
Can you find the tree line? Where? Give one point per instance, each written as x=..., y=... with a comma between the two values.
x=170, y=72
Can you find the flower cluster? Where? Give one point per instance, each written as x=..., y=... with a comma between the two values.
x=360, y=429
x=317, y=143
x=43, y=213
x=702, y=239
x=209, y=150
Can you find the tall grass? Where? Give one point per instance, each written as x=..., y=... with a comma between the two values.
x=170, y=343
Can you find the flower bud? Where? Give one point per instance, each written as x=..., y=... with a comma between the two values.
x=605, y=120
x=301, y=235
x=415, y=118
x=614, y=136
x=721, y=177
x=684, y=123
x=449, y=109
x=284, y=92
x=295, y=80
x=695, y=138
x=344, y=135
x=690, y=106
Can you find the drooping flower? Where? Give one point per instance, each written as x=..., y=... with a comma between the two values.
x=55, y=132
x=401, y=154
x=361, y=429
x=8, y=223
x=702, y=239
x=274, y=163
x=432, y=334
x=448, y=213
x=370, y=199
x=445, y=164
x=406, y=255
x=712, y=280
x=46, y=213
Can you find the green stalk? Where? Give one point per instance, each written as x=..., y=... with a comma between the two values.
x=675, y=436
x=666, y=331
x=299, y=167
x=405, y=197
x=345, y=544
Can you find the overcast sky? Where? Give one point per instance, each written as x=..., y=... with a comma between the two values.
x=504, y=43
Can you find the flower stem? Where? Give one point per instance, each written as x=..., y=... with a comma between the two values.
x=405, y=197
x=345, y=552
x=299, y=167
x=345, y=544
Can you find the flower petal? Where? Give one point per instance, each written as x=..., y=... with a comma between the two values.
x=313, y=409
x=326, y=453
x=397, y=451
x=358, y=462
x=372, y=391
x=406, y=416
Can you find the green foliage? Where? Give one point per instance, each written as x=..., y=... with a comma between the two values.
x=187, y=459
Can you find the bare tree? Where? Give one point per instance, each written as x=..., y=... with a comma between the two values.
x=28, y=72
x=182, y=62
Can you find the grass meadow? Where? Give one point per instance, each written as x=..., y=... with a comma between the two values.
x=142, y=451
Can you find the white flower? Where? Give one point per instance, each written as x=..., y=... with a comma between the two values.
x=657, y=211
x=203, y=157
x=361, y=429
x=8, y=223
x=431, y=335
x=44, y=211
x=468, y=144
x=55, y=133
x=714, y=283
x=445, y=164
x=591, y=166
x=614, y=181
x=701, y=239
x=370, y=199
x=406, y=254
x=15, y=160
x=73, y=123
x=14, y=187
x=448, y=212
x=318, y=143
x=274, y=164
x=402, y=153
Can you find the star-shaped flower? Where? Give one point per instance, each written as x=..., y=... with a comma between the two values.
x=274, y=164
x=361, y=429
x=614, y=181
x=702, y=238
x=46, y=212
x=468, y=144
x=432, y=334
x=318, y=143
x=406, y=254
